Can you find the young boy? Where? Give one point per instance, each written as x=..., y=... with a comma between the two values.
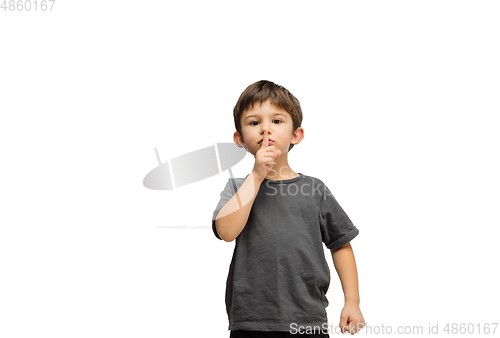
x=278, y=277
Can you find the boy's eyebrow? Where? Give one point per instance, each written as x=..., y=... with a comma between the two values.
x=255, y=115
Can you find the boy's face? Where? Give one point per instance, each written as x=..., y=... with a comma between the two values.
x=268, y=117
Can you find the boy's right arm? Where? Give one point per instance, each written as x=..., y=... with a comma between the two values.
x=235, y=217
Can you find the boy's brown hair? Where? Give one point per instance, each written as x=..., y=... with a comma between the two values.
x=279, y=96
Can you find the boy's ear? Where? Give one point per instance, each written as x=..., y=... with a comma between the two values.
x=238, y=139
x=297, y=135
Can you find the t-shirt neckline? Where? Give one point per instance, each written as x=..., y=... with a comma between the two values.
x=290, y=180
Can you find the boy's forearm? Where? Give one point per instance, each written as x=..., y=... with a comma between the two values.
x=345, y=264
x=233, y=217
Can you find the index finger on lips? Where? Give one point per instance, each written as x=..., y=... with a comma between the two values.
x=265, y=141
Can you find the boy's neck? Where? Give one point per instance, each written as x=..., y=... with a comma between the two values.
x=292, y=175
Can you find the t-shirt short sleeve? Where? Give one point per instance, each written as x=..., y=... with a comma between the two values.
x=225, y=196
x=336, y=227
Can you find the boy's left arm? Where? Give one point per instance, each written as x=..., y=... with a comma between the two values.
x=351, y=319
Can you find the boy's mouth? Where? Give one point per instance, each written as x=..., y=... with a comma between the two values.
x=270, y=142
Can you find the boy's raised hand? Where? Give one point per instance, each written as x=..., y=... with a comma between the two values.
x=265, y=158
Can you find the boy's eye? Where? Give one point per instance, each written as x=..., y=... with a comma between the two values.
x=252, y=123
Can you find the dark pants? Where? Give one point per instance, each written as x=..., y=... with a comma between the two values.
x=275, y=334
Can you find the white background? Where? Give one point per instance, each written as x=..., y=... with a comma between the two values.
x=400, y=103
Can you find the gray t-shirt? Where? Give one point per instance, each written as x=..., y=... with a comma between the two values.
x=278, y=274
